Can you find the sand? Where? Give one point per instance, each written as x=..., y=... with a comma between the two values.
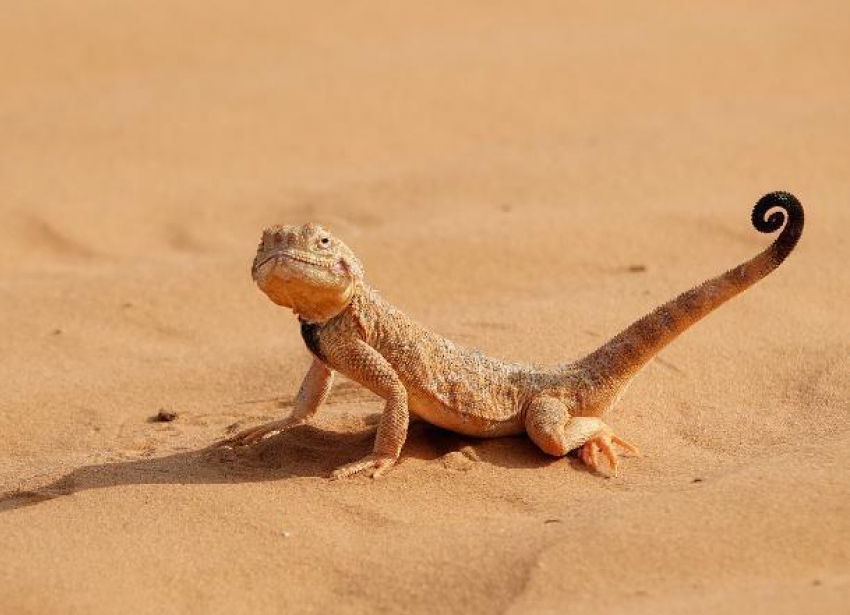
x=525, y=178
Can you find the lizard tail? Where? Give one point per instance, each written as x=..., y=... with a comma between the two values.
x=625, y=354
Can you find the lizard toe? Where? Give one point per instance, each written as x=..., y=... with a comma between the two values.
x=603, y=442
x=257, y=433
x=372, y=465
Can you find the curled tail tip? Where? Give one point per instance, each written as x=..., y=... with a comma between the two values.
x=788, y=211
x=793, y=211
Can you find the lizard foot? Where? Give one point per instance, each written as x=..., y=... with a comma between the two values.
x=604, y=442
x=374, y=465
x=254, y=434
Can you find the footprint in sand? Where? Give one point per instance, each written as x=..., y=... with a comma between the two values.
x=40, y=236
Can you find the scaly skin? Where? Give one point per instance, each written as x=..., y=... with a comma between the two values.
x=349, y=328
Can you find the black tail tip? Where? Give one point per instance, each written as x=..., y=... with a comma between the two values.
x=790, y=204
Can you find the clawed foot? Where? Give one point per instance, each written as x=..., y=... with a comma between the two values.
x=372, y=465
x=604, y=442
x=254, y=434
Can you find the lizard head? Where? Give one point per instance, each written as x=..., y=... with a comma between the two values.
x=307, y=269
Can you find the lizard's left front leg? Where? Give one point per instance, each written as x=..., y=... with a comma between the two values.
x=364, y=364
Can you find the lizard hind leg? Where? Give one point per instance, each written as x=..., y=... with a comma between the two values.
x=551, y=427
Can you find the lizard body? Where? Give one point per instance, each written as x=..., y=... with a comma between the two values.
x=349, y=328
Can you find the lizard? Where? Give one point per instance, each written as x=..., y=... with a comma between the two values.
x=351, y=329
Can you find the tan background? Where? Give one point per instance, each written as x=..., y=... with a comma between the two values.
x=499, y=167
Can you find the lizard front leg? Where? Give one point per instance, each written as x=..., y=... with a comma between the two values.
x=364, y=364
x=314, y=390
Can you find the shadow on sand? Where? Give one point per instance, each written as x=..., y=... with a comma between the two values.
x=304, y=451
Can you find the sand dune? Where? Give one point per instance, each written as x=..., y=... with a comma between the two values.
x=525, y=180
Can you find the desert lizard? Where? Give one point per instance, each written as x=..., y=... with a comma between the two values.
x=349, y=328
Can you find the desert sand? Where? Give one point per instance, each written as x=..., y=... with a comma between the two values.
x=525, y=178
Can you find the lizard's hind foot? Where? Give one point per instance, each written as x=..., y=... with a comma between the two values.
x=603, y=442
x=550, y=426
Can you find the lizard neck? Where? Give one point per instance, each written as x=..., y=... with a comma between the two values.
x=363, y=309
x=320, y=312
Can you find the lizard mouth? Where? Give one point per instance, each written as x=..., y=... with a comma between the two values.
x=301, y=257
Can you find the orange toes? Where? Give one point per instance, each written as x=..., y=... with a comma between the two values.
x=590, y=455
x=610, y=454
x=603, y=442
x=634, y=450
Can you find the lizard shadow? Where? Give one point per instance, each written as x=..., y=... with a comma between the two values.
x=304, y=451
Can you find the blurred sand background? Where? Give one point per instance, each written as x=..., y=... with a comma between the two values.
x=525, y=178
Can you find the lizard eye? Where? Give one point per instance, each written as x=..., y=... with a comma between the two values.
x=325, y=242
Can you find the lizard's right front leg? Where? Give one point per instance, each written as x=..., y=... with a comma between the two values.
x=314, y=390
x=367, y=366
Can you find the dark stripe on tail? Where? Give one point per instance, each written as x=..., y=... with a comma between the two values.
x=630, y=350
